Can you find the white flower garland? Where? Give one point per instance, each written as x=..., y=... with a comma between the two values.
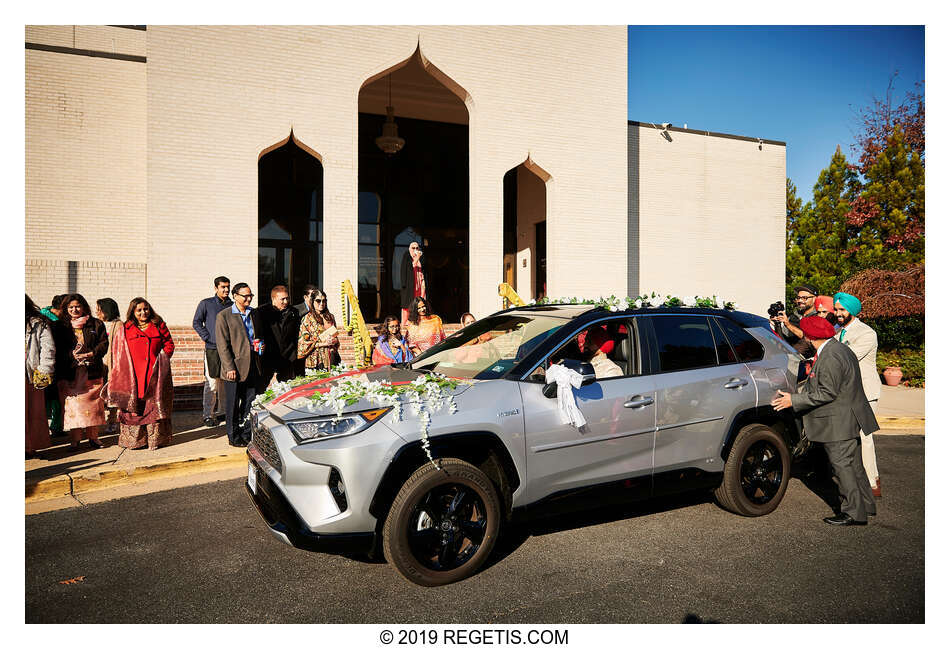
x=425, y=396
x=614, y=303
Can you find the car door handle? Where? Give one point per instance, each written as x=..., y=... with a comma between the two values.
x=735, y=384
x=638, y=402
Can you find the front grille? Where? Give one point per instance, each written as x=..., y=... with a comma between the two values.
x=264, y=441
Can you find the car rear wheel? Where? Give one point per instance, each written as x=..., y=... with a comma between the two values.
x=756, y=473
x=442, y=524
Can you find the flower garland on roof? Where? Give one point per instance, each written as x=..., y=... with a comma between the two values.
x=614, y=303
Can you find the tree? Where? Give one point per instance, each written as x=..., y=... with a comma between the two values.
x=818, y=236
x=882, y=115
x=886, y=221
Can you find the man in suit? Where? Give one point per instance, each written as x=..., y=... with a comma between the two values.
x=307, y=302
x=240, y=349
x=278, y=326
x=835, y=411
x=863, y=342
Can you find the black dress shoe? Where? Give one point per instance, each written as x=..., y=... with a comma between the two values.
x=209, y=422
x=843, y=519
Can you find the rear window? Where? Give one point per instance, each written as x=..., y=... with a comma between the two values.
x=723, y=348
x=747, y=347
x=683, y=342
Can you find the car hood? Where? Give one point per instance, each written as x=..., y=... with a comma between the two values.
x=292, y=404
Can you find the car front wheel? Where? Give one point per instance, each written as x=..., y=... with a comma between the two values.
x=442, y=524
x=756, y=473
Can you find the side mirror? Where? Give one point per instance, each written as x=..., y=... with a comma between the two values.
x=586, y=370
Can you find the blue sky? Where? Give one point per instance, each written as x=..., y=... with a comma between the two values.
x=797, y=84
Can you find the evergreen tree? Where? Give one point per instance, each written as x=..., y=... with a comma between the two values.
x=818, y=236
x=886, y=222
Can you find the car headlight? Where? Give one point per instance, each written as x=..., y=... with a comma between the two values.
x=308, y=430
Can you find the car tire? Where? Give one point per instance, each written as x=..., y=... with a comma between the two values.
x=756, y=473
x=443, y=524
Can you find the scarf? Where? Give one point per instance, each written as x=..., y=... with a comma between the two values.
x=120, y=392
x=77, y=323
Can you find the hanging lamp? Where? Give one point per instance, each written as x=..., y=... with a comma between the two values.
x=389, y=142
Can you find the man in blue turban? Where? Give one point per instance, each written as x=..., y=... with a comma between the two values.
x=863, y=342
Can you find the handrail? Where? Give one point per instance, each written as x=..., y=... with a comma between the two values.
x=508, y=295
x=361, y=337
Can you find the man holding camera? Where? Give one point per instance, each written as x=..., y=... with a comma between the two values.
x=788, y=325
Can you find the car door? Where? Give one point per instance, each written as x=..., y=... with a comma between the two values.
x=616, y=444
x=698, y=394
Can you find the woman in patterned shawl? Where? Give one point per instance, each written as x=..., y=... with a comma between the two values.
x=424, y=329
x=319, y=350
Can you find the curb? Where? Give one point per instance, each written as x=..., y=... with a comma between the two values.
x=80, y=482
x=901, y=423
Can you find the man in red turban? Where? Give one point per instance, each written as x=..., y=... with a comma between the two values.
x=835, y=411
x=596, y=342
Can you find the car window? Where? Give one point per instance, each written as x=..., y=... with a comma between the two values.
x=683, y=342
x=723, y=348
x=619, y=345
x=747, y=348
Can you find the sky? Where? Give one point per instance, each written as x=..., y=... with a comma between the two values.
x=796, y=84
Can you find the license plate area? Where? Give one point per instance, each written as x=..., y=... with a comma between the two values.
x=252, y=477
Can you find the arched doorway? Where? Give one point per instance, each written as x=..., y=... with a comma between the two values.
x=420, y=193
x=525, y=229
x=289, y=220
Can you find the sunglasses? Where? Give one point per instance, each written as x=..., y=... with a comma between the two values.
x=321, y=300
x=246, y=296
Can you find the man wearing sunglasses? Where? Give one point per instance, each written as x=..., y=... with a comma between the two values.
x=240, y=350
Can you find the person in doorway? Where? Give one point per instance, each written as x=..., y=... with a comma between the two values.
x=412, y=279
x=40, y=363
x=596, y=343
x=834, y=409
x=240, y=350
x=278, y=326
x=304, y=306
x=108, y=311
x=141, y=382
x=54, y=407
x=80, y=345
x=391, y=346
x=318, y=342
x=862, y=340
x=212, y=399
x=425, y=328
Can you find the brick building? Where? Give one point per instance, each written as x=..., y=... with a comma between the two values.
x=160, y=157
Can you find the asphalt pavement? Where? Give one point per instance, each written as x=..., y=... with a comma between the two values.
x=202, y=554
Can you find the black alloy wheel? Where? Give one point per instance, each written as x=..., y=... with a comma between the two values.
x=756, y=473
x=442, y=524
x=761, y=473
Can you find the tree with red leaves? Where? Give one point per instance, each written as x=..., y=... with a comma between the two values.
x=881, y=116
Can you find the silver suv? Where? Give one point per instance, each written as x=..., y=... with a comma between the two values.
x=686, y=406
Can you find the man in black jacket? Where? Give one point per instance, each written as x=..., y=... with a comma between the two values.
x=212, y=396
x=278, y=325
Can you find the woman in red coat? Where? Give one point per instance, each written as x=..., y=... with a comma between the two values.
x=140, y=384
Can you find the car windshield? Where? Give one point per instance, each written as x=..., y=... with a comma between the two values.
x=488, y=348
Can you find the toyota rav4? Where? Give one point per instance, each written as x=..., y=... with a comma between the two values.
x=685, y=406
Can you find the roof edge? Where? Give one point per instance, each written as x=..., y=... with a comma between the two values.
x=728, y=136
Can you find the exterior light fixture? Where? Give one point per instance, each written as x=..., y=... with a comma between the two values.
x=389, y=142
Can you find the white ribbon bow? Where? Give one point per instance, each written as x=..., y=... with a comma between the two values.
x=566, y=403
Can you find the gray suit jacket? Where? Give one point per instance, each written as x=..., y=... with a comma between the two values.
x=863, y=342
x=832, y=401
x=234, y=349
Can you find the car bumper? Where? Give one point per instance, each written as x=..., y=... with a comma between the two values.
x=287, y=526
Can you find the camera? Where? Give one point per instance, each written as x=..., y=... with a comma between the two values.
x=775, y=308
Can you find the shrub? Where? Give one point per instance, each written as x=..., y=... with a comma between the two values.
x=903, y=332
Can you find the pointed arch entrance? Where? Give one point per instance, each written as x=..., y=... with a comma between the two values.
x=289, y=219
x=420, y=193
x=525, y=229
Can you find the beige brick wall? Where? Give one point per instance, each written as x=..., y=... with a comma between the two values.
x=218, y=96
x=121, y=281
x=707, y=216
x=85, y=164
